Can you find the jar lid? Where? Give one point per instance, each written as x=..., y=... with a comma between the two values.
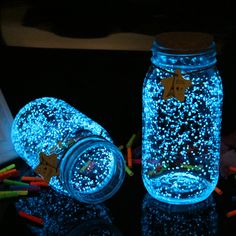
x=184, y=42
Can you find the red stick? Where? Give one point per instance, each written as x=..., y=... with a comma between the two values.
x=219, y=191
x=129, y=157
x=31, y=178
x=137, y=161
x=37, y=183
x=8, y=173
x=35, y=219
x=231, y=213
x=232, y=169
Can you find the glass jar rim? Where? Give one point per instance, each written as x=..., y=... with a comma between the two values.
x=184, y=43
x=86, y=143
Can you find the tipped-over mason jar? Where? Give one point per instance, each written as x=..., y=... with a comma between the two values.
x=73, y=152
x=181, y=119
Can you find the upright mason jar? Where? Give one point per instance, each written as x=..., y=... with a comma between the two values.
x=182, y=108
x=72, y=152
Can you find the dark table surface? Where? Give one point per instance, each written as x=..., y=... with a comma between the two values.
x=131, y=211
x=107, y=87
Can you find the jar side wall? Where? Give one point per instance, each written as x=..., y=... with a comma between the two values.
x=46, y=123
x=181, y=140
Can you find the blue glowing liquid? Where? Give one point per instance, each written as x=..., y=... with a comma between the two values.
x=91, y=166
x=181, y=140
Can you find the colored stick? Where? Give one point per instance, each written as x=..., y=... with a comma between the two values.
x=129, y=157
x=8, y=173
x=131, y=140
x=232, y=169
x=129, y=171
x=231, y=213
x=19, y=192
x=219, y=191
x=137, y=161
x=8, y=194
x=12, y=166
x=31, y=179
x=37, y=183
x=13, y=182
x=32, y=218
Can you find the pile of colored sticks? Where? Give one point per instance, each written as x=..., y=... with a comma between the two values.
x=13, y=185
x=132, y=155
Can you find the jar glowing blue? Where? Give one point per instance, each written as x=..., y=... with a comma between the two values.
x=91, y=167
x=182, y=108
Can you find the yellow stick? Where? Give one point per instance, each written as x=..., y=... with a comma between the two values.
x=8, y=194
x=130, y=142
x=12, y=166
x=19, y=192
x=129, y=171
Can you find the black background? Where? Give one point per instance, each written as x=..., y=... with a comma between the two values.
x=107, y=85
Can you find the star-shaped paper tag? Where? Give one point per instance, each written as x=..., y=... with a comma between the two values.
x=47, y=166
x=175, y=86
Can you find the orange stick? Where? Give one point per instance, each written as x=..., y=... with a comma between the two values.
x=232, y=169
x=129, y=157
x=8, y=173
x=39, y=183
x=31, y=179
x=231, y=213
x=35, y=219
x=219, y=191
x=16, y=174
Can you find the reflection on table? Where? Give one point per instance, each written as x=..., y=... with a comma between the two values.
x=165, y=219
x=65, y=216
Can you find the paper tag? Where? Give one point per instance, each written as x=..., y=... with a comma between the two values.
x=47, y=166
x=175, y=86
x=7, y=152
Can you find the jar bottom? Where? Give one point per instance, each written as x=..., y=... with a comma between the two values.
x=179, y=188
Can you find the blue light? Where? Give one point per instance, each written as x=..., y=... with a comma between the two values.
x=160, y=218
x=66, y=216
x=181, y=140
x=91, y=170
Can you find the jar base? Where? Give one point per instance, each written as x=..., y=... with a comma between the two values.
x=179, y=188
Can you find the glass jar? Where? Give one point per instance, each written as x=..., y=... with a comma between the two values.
x=181, y=120
x=89, y=167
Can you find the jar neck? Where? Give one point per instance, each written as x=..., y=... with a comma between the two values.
x=98, y=156
x=165, y=58
x=69, y=156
